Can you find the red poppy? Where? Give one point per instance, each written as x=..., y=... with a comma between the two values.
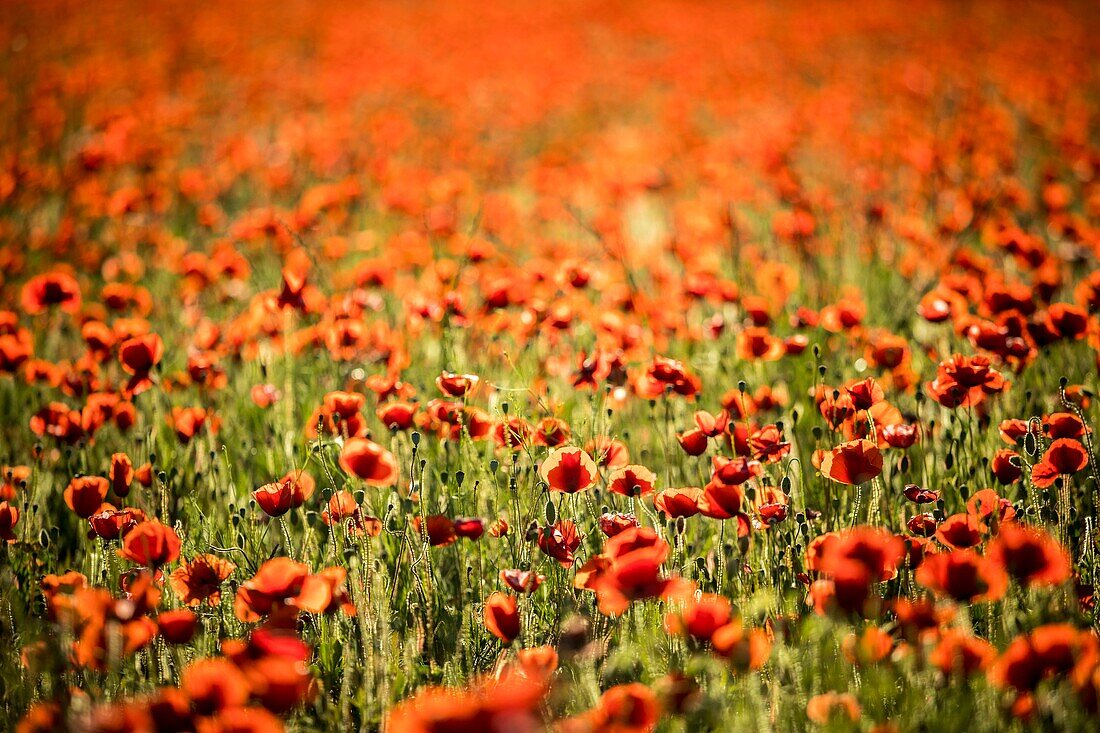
x=700, y=617
x=1031, y=555
x=9, y=517
x=85, y=494
x=372, y=463
x=471, y=528
x=177, y=627
x=559, y=541
x=275, y=498
x=502, y=617
x=1006, y=466
x=920, y=495
x=852, y=463
x=632, y=480
x=50, y=289
x=200, y=579
x=569, y=470
x=522, y=581
x=456, y=385
x=682, y=502
x=694, y=442
x=151, y=544
x=1064, y=457
x=963, y=575
x=121, y=474
x=960, y=531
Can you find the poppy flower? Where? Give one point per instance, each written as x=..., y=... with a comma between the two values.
x=682, y=502
x=275, y=498
x=151, y=544
x=1064, y=457
x=632, y=480
x=372, y=463
x=767, y=444
x=559, y=541
x=537, y=663
x=512, y=433
x=200, y=579
x=966, y=381
x=440, y=529
x=963, y=575
x=177, y=627
x=264, y=395
x=700, y=617
x=823, y=708
x=569, y=470
x=110, y=524
x=878, y=551
x=213, y=685
x=960, y=531
x=608, y=452
x=275, y=582
x=865, y=393
x=456, y=385
x=140, y=354
x=712, y=425
x=50, y=289
x=1031, y=555
x=121, y=474
x=398, y=415
x=900, y=435
x=870, y=647
x=920, y=495
x=612, y=524
x=501, y=617
x=552, y=432
x=471, y=528
x=85, y=494
x=522, y=581
x=852, y=463
x=987, y=503
x=9, y=517
x=1006, y=466
x=922, y=525
x=629, y=707
x=693, y=442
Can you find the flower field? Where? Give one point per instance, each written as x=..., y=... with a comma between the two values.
x=574, y=366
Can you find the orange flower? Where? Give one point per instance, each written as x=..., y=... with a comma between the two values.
x=1031, y=555
x=85, y=494
x=852, y=463
x=200, y=579
x=569, y=470
x=364, y=458
x=963, y=575
x=501, y=617
x=50, y=289
x=151, y=544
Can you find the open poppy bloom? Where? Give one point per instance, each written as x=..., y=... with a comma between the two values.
x=631, y=480
x=963, y=575
x=372, y=463
x=569, y=470
x=682, y=502
x=85, y=494
x=853, y=463
x=1064, y=457
x=1031, y=555
x=501, y=617
x=151, y=544
x=51, y=289
x=559, y=541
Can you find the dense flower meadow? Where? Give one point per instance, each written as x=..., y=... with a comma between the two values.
x=573, y=366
